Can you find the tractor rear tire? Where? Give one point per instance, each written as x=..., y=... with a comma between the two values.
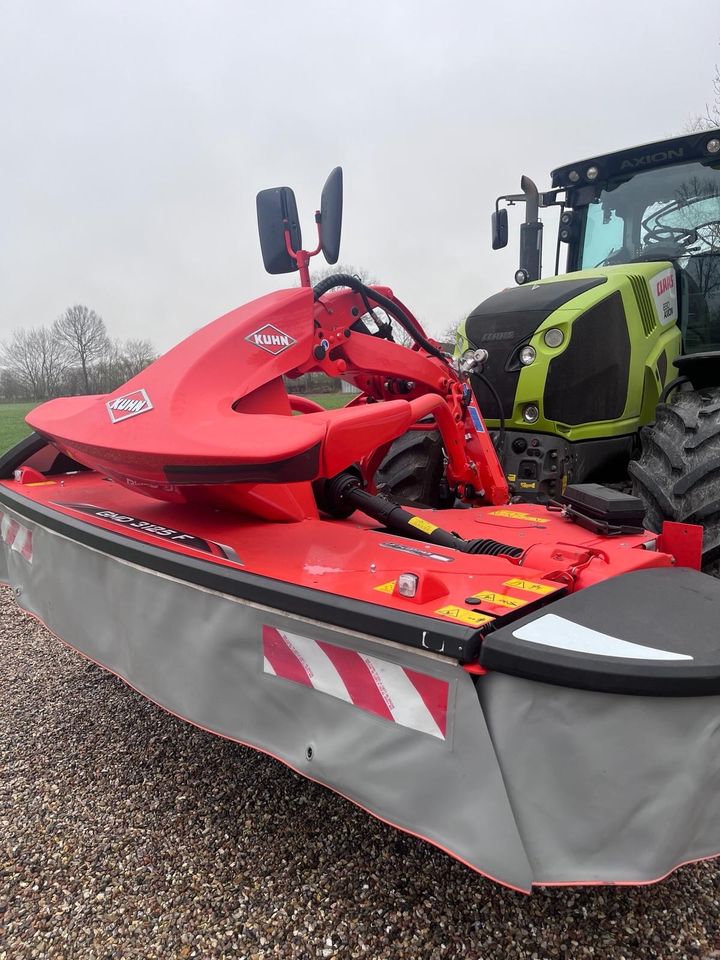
x=678, y=473
x=413, y=470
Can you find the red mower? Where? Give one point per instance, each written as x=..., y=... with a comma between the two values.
x=535, y=690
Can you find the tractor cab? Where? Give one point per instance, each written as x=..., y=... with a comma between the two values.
x=655, y=203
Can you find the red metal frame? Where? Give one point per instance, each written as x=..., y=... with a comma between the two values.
x=217, y=404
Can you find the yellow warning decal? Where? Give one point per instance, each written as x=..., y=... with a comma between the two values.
x=511, y=477
x=386, y=587
x=528, y=484
x=519, y=515
x=530, y=586
x=421, y=524
x=470, y=617
x=41, y=483
x=500, y=599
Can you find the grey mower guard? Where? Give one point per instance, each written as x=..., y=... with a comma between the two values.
x=534, y=783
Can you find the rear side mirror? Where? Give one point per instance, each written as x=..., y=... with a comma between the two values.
x=276, y=212
x=331, y=205
x=499, y=221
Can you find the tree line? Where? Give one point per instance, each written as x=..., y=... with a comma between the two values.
x=73, y=355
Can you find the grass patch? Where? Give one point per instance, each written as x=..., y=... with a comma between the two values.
x=12, y=423
x=331, y=401
x=13, y=427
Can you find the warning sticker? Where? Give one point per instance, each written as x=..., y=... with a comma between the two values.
x=519, y=515
x=500, y=599
x=421, y=524
x=470, y=617
x=386, y=587
x=531, y=587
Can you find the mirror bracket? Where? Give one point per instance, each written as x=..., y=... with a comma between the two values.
x=302, y=257
x=280, y=237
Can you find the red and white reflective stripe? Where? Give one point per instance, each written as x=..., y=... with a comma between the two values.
x=403, y=696
x=16, y=536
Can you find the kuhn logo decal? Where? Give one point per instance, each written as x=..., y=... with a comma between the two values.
x=270, y=339
x=129, y=405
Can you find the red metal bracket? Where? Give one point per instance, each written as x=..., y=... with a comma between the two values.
x=683, y=541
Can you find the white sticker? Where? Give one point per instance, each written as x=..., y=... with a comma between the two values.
x=663, y=288
x=554, y=631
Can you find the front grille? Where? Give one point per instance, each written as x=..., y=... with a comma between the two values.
x=588, y=381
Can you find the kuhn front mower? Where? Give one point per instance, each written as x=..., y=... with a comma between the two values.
x=533, y=689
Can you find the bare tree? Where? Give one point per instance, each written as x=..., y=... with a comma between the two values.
x=10, y=387
x=711, y=118
x=331, y=269
x=135, y=355
x=84, y=338
x=449, y=335
x=120, y=361
x=35, y=360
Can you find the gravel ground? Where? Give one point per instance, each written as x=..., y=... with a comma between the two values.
x=127, y=833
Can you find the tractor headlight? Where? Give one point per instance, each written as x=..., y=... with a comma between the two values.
x=527, y=355
x=530, y=413
x=592, y=173
x=554, y=337
x=713, y=146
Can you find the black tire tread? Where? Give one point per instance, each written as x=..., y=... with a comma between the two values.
x=413, y=469
x=678, y=473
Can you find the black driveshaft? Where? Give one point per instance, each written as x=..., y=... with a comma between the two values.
x=346, y=490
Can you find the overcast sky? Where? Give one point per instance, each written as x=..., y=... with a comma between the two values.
x=135, y=136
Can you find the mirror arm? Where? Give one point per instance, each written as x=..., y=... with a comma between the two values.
x=302, y=257
x=511, y=199
x=318, y=248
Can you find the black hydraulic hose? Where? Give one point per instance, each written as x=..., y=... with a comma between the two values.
x=346, y=280
x=345, y=490
x=670, y=386
x=498, y=402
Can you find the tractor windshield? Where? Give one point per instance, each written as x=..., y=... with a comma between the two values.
x=672, y=213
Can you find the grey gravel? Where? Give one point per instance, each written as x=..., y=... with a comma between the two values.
x=125, y=832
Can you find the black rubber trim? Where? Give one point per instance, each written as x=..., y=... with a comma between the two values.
x=701, y=369
x=302, y=466
x=673, y=609
x=413, y=630
x=16, y=456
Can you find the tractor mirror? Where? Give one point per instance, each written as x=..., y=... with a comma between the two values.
x=276, y=212
x=331, y=204
x=499, y=221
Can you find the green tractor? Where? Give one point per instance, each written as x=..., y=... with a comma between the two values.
x=611, y=370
